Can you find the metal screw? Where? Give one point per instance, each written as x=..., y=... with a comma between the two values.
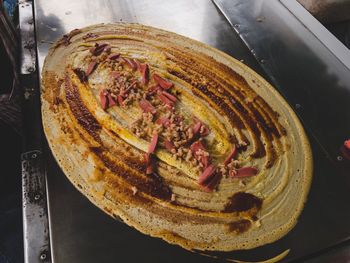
x=31, y=69
x=262, y=61
x=37, y=197
x=26, y=95
x=297, y=106
x=260, y=18
x=237, y=25
x=43, y=256
x=339, y=158
x=34, y=155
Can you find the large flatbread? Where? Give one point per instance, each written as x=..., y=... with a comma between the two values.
x=176, y=138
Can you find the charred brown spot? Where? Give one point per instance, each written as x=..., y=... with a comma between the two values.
x=65, y=40
x=80, y=74
x=233, y=119
x=158, y=186
x=57, y=101
x=242, y=201
x=107, y=209
x=233, y=140
x=277, y=128
x=80, y=112
x=239, y=226
x=90, y=35
x=96, y=149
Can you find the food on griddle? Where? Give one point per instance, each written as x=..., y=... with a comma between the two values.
x=174, y=137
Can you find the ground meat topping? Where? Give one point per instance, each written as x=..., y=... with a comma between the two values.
x=133, y=83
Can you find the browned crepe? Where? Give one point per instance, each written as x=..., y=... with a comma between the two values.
x=104, y=159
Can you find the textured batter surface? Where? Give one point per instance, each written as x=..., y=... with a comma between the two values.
x=112, y=92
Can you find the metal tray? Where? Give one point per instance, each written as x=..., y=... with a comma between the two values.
x=266, y=36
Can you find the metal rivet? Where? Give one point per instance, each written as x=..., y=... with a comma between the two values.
x=31, y=69
x=262, y=61
x=43, y=256
x=26, y=95
x=242, y=60
x=34, y=155
x=37, y=197
x=237, y=25
x=297, y=106
x=260, y=18
x=339, y=158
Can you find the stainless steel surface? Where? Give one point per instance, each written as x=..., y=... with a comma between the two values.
x=26, y=26
x=296, y=62
x=35, y=222
x=197, y=19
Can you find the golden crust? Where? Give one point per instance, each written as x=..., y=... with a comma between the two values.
x=104, y=161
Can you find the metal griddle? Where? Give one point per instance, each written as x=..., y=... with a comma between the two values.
x=278, y=39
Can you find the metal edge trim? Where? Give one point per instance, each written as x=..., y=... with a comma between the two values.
x=49, y=216
x=27, y=37
x=338, y=49
x=35, y=222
